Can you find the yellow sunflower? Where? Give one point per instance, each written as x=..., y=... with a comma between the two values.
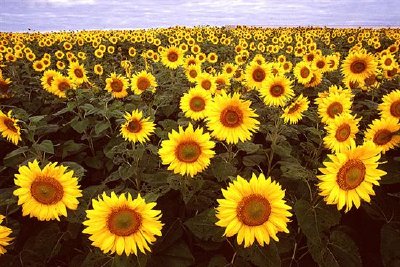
x=187, y=152
x=294, y=112
x=390, y=107
x=191, y=72
x=46, y=193
x=98, y=69
x=77, y=73
x=206, y=81
x=303, y=72
x=333, y=105
x=194, y=103
x=276, y=90
x=60, y=85
x=121, y=224
x=384, y=133
x=47, y=79
x=4, y=87
x=341, y=132
x=5, y=238
x=349, y=176
x=316, y=79
x=39, y=66
x=256, y=74
x=9, y=128
x=172, y=57
x=143, y=81
x=358, y=66
x=254, y=210
x=116, y=84
x=136, y=128
x=222, y=80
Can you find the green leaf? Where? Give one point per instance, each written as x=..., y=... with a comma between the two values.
x=36, y=118
x=129, y=261
x=267, y=256
x=79, y=171
x=177, y=254
x=45, y=146
x=70, y=148
x=80, y=126
x=203, y=226
x=390, y=244
x=248, y=147
x=222, y=169
x=101, y=126
x=253, y=160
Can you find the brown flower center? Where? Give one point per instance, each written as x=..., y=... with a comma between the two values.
x=343, y=132
x=117, y=86
x=172, y=56
x=358, y=67
x=228, y=70
x=310, y=57
x=188, y=152
x=334, y=109
x=277, y=90
x=193, y=73
x=304, y=72
x=9, y=123
x=382, y=137
x=231, y=117
x=370, y=80
x=49, y=80
x=258, y=75
x=388, y=62
x=63, y=86
x=351, y=174
x=39, y=66
x=124, y=221
x=321, y=64
x=78, y=73
x=197, y=104
x=206, y=84
x=134, y=126
x=253, y=210
x=395, y=109
x=293, y=108
x=47, y=190
x=143, y=83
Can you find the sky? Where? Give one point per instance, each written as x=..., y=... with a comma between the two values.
x=55, y=15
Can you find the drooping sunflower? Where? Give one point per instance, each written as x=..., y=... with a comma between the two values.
x=120, y=224
x=341, y=132
x=303, y=72
x=256, y=74
x=294, y=112
x=349, y=176
x=9, y=128
x=254, y=211
x=276, y=90
x=60, y=85
x=384, y=133
x=333, y=105
x=116, y=84
x=194, y=103
x=136, y=128
x=47, y=79
x=77, y=73
x=187, y=152
x=143, y=81
x=5, y=238
x=358, y=66
x=172, y=57
x=390, y=107
x=231, y=119
x=46, y=193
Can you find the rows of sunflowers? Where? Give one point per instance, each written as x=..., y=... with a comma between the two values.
x=205, y=146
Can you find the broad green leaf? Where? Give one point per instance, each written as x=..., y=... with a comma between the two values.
x=203, y=226
x=267, y=256
x=222, y=169
x=45, y=146
x=390, y=244
x=248, y=147
x=70, y=148
x=80, y=126
x=101, y=126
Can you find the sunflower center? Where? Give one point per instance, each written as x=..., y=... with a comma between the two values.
x=193, y=73
x=258, y=75
x=134, y=126
x=172, y=56
x=9, y=123
x=294, y=108
x=197, y=104
x=39, y=66
x=343, y=132
x=382, y=137
x=231, y=117
x=253, y=210
x=78, y=73
x=47, y=190
x=124, y=222
x=116, y=86
x=388, y=62
x=370, y=80
x=351, y=174
x=143, y=83
x=63, y=86
x=395, y=109
x=277, y=90
x=188, y=152
x=50, y=80
x=358, y=67
x=321, y=64
x=229, y=70
x=334, y=109
x=206, y=84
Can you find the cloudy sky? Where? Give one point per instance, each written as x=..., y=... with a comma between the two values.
x=50, y=15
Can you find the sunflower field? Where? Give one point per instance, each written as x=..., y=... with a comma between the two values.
x=204, y=146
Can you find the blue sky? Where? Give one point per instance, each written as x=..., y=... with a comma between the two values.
x=50, y=15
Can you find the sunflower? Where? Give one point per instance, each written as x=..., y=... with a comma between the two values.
x=5, y=238
x=231, y=119
x=303, y=72
x=390, y=107
x=294, y=112
x=341, y=132
x=47, y=79
x=387, y=62
x=349, y=176
x=332, y=105
x=191, y=72
x=172, y=57
x=357, y=66
x=38, y=66
x=77, y=73
x=9, y=128
x=229, y=69
x=98, y=69
x=121, y=224
x=187, y=152
x=117, y=85
x=4, y=87
x=320, y=63
x=46, y=193
x=143, y=81
x=194, y=103
x=222, y=80
x=316, y=79
x=256, y=74
x=61, y=85
x=384, y=133
x=206, y=82
x=136, y=128
x=276, y=90
x=254, y=210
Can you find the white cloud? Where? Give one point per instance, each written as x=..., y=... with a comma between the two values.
x=67, y=2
